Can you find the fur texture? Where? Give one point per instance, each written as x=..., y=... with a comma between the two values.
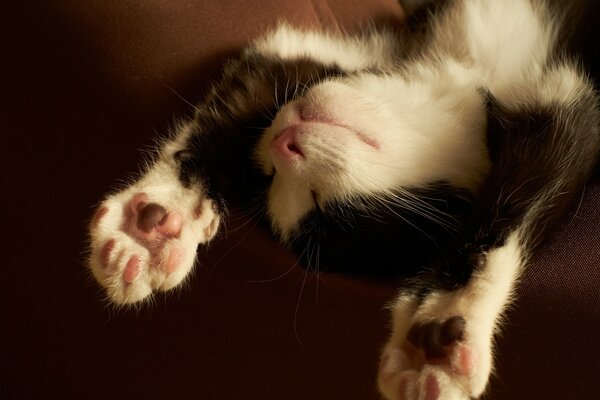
x=448, y=149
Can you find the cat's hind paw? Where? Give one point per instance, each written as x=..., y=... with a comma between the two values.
x=435, y=363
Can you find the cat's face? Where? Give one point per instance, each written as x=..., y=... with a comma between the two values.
x=370, y=146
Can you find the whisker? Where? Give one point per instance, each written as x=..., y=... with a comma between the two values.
x=181, y=97
x=230, y=249
x=309, y=258
x=277, y=105
x=281, y=275
x=318, y=273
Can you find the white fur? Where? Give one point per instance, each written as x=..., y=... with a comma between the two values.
x=508, y=40
x=561, y=83
x=374, y=49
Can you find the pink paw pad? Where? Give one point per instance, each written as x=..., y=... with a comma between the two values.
x=105, y=252
x=432, y=388
x=170, y=224
x=98, y=216
x=173, y=260
x=442, y=343
x=149, y=219
x=463, y=362
x=132, y=269
x=437, y=339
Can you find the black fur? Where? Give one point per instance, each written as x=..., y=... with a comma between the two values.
x=232, y=118
x=379, y=239
x=384, y=239
x=542, y=155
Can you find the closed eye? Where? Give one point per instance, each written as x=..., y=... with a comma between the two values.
x=183, y=155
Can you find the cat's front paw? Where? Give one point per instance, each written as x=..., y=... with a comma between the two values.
x=144, y=239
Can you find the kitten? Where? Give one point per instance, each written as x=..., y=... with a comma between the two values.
x=448, y=149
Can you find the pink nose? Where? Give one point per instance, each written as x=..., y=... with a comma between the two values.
x=286, y=143
x=148, y=218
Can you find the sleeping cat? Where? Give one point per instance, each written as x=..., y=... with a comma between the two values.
x=449, y=148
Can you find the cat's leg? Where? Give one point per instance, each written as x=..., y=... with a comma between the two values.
x=543, y=145
x=441, y=345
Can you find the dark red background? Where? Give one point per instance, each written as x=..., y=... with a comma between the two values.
x=85, y=86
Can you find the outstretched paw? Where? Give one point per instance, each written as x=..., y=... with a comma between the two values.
x=144, y=239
